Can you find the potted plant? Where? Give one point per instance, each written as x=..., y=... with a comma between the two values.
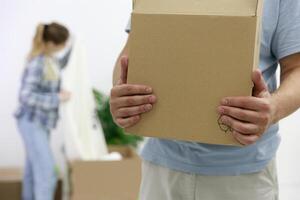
x=114, y=135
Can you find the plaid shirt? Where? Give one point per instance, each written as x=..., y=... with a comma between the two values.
x=38, y=95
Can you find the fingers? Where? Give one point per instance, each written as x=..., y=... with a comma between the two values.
x=248, y=116
x=241, y=114
x=128, y=122
x=239, y=126
x=245, y=139
x=128, y=89
x=260, y=85
x=251, y=103
x=127, y=110
x=132, y=111
x=244, y=133
x=130, y=101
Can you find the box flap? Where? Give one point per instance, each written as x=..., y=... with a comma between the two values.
x=198, y=7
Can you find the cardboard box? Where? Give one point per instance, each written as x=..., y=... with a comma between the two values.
x=11, y=184
x=193, y=53
x=107, y=180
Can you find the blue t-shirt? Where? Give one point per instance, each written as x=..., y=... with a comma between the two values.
x=280, y=38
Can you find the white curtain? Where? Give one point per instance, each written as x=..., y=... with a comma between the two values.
x=83, y=135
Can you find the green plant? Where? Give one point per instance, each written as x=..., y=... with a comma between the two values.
x=114, y=135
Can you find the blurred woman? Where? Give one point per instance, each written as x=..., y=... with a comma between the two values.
x=39, y=98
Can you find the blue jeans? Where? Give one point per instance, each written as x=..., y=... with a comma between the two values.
x=39, y=181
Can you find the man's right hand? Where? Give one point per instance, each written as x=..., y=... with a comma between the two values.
x=129, y=101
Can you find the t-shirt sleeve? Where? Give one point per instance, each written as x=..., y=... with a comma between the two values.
x=128, y=27
x=286, y=39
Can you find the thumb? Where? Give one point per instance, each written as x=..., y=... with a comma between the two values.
x=124, y=70
x=260, y=86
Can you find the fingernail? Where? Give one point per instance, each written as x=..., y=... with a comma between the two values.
x=137, y=118
x=224, y=101
x=220, y=110
x=148, y=107
x=223, y=120
x=148, y=89
x=152, y=99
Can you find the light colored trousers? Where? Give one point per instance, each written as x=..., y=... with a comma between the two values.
x=160, y=183
x=39, y=181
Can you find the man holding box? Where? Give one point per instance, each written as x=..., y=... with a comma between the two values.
x=188, y=170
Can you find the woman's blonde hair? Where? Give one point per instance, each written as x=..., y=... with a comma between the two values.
x=54, y=32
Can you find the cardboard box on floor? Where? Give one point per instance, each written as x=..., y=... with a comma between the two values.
x=192, y=53
x=107, y=180
x=11, y=184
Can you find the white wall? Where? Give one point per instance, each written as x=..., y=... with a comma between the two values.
x=288, y=158
x=99, y=23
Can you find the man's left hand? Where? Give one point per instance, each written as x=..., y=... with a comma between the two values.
x=249, y=117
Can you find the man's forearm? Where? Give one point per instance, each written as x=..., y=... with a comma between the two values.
x=287, y=97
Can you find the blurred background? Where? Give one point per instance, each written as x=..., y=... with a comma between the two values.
x=100, y=26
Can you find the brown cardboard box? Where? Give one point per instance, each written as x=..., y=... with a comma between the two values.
x=107, y=180
x=192, y=53
x=11, y=185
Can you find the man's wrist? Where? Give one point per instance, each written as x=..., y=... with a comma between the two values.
x=275, y=108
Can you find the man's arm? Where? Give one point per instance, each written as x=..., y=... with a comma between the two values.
x=287, y=97
x=117, y=68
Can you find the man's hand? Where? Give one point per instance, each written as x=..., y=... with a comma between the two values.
x=249, y=117
x=128, y=101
